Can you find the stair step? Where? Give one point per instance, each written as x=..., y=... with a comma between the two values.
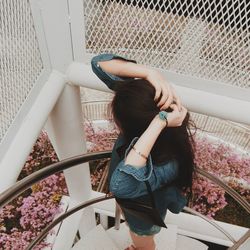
x=186, y=243
x=96, y=239
x=166, y=239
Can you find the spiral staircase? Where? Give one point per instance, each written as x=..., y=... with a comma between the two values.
x=202, y=47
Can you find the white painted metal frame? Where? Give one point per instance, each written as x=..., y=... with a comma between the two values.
x=77, y=27
x=196, y=100
x=65, y=124
x=29, y=129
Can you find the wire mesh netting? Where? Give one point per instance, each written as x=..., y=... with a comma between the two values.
x=208, y=39
x=20, y=59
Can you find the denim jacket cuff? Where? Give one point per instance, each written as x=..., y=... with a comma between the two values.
x=109, y=79
x=140, y=174
x=108, y=57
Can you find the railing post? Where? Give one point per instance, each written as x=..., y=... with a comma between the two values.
x=65, y=129
x=65, y=124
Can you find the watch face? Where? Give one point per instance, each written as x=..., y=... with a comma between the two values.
x=163, y=115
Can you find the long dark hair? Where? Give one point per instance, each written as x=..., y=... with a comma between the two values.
x=133, y=108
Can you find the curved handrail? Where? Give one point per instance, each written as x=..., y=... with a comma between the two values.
x=192, y=211
x=82, y=205
x=28, y=181
x=60, y=218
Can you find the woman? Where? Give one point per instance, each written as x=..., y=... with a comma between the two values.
x=154, y=144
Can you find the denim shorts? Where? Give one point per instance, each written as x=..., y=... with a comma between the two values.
x=140, y=227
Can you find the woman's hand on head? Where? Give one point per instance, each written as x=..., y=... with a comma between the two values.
x=165, y=94
x=176, y=117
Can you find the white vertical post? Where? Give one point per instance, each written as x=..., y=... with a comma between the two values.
x=65, y=124
x=77, y=27
x=104, y=221
x=65, y=128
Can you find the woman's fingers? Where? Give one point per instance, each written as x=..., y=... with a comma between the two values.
x=174, y=107
x=176, y=117
x=130, y=248
x=167, y=97
x=168, y=102
x=177, y=99
x=157, y=92
x=164, y=98
x=183, y=112
x=164, y=92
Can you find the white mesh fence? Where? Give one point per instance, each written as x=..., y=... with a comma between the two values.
x=233, y=133
x=204, y=38
x=20, y=60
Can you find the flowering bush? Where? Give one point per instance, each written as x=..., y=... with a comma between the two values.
x=222, y=161
x=42, y=154
x=207, y=197
x=26, y=216
x=99, y=141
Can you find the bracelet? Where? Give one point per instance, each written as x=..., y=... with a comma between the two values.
x=139, y=153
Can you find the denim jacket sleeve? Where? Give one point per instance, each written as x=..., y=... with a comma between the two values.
x=109, y=79
x=128, y=181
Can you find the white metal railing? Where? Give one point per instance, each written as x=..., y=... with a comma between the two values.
x=195, y=100
x=182, y=39
x=20, y=59
x=96, y=110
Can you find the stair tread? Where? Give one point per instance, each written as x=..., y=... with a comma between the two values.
x=96, y=239
x=187, y=243
x=167, y=237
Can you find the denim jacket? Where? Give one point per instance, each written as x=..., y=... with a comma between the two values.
x=126, y=181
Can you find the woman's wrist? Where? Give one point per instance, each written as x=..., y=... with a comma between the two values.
x=150, y=74
x=158, y=123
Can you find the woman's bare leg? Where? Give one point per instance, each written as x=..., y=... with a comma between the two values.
x=143, y=242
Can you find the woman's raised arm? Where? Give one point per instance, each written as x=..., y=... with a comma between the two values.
x=123, y=68
x=164, y=92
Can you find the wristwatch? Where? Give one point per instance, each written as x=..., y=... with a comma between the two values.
x=164, y=116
